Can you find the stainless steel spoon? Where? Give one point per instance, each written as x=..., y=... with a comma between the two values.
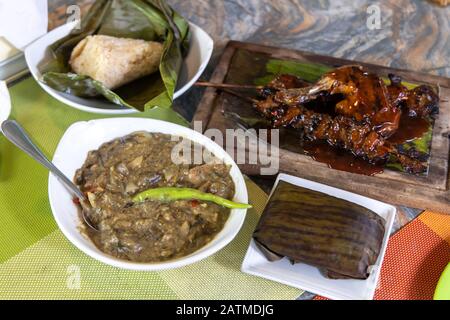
x=17, y=135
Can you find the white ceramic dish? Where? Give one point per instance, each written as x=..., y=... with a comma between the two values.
x=194, y=64
x=5, y=102
x=309, y=278
x=70, y=155
x=12, y=67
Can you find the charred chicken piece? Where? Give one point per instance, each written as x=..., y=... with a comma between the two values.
x=365, y=97
x=359, y=126
x=421, y=101
x=339, y=131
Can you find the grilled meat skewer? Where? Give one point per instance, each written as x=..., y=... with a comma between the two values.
x=349, y=108
x=364, y=96
x=421, y=101
x=366, y=114
x=339, y=131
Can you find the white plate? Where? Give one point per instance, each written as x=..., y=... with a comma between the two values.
x=5, y=102
x=13, y=67
x=200, y=50
x=309, y=278
x=70, y=155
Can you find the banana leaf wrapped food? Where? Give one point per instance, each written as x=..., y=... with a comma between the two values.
x=342, y=239
x=115, y=61
x=128, y=51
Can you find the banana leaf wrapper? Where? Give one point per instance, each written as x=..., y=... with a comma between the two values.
x=150, y=20
x=339, y=237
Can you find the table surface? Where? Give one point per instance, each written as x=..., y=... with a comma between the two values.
x=412, y=34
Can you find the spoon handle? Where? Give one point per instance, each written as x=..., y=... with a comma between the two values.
x=17, y=135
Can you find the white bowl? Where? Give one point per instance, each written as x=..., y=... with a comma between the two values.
x=5, y=102
x=200, y=50
x=70, y=155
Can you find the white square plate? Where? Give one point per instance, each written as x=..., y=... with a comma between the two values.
x=309, y=278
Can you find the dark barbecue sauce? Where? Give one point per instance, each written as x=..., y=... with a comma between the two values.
x=410, y=128
x=339, y=159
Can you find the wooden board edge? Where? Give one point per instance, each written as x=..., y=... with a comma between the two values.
x=429, y=78
x=207, y=105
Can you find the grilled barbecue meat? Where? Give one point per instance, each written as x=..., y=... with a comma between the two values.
x=366, y=114
x=339, y=131
x=365, y=97
x=419, y=102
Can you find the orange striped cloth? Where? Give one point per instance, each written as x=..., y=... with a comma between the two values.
x=415, y=258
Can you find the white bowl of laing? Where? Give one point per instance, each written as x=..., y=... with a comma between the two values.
x=71, y=153
x=195, y=62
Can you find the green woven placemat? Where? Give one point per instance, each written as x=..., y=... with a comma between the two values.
x=38, y=262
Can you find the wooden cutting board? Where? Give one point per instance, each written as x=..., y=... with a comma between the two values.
x=429, y=191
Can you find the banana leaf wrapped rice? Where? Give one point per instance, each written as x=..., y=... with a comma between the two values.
x=115, y=61
x=117, y=51
x=342, y=239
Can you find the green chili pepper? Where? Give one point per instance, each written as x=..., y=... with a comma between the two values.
x=172, y=194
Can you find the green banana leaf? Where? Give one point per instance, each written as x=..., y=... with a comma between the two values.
x=151, y=20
